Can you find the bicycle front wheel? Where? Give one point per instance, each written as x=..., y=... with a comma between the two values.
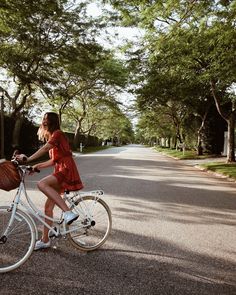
x=92, y=228
x=17, y=243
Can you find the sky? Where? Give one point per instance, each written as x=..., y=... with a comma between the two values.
x=120, y=36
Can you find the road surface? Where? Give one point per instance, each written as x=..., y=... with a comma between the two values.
x=174, y=232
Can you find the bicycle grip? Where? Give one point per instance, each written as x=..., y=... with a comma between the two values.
x=31, y=169
x=36, y=170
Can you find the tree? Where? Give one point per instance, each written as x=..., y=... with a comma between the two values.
x=50, y=46
x=30, y=36
x=153, y=125
x=116, y=127
x=80, y=92
x=197, y=40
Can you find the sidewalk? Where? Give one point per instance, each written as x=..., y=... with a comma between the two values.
x=195, y=162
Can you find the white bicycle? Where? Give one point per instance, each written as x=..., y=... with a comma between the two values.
x=18, y=230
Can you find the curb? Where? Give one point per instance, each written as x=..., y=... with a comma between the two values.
x=230, y=179
x=216, y=174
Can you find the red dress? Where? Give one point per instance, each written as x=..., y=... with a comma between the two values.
x=65, y=168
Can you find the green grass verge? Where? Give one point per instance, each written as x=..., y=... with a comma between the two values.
x=90, y=149
x=227, y=169
x=180, y=155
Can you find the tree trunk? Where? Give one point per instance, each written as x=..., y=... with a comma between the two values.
x=230, y=119
x=199, y=142
x=76, y=136
x=199, y=148
x=168, y=142
x=175, y=143
x=16, y=132
x=199, y=133
x=231, y=139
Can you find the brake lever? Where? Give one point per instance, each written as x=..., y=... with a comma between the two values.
x=15, y=162
x=31, y=169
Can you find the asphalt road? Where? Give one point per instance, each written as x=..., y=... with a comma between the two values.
x=173, y=232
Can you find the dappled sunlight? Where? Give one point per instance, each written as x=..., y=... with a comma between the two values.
x=129, y=262
x=173, y=212
x=156, y=170
x=173, y=227
x=188, y=231
x=198, y=278
x=202, y=186
x=190, y=210
x=173, y=180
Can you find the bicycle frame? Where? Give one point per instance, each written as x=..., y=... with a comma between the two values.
x=39, y=215
x=18, y=223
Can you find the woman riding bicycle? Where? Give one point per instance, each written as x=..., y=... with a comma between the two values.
x=65, y=175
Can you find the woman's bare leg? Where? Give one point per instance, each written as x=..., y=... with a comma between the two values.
x=49, y=206
x=50, y=187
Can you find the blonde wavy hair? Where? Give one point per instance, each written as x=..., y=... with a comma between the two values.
x=52, y=125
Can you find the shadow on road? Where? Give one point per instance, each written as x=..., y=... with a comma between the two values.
x=141, y=262
x=119, y=270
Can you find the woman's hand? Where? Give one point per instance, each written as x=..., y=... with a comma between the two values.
x=35, y=168
x=22, y=158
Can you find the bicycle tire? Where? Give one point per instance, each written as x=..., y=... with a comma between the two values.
x=90, y=234
x=20, y=240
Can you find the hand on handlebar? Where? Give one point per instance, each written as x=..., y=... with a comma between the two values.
x=22, y=158
x=34, y=169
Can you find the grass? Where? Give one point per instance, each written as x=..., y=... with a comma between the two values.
x=227, y=169
x=180, y=155
x=92, y=149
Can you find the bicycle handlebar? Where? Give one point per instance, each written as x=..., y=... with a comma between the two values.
x=30, y=168
x=27, y=167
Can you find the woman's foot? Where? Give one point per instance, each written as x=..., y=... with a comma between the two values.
x=70, y=216
x=41, y=245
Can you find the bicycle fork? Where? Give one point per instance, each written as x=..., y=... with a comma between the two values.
x=3, y=238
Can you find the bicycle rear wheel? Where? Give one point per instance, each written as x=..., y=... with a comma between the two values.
x=92, y=228
x=17, y=244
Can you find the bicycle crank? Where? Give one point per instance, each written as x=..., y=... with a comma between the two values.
x=3, y=240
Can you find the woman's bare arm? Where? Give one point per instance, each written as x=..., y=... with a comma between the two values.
x=43, y=150
x=44, y=164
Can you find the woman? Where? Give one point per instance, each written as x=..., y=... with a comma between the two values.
x=65, y=175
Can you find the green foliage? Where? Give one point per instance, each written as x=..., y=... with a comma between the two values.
x=189, y=154
x=51, y=58
x=87, y=150
x=116, y=127
x=221, y=168
x=30, y=35
x=188, y=59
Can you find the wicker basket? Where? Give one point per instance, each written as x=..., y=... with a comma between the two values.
x=9, y=176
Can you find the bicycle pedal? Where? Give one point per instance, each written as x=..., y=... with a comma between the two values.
x=52, y=234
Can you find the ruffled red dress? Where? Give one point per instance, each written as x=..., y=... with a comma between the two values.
x=65, y=169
